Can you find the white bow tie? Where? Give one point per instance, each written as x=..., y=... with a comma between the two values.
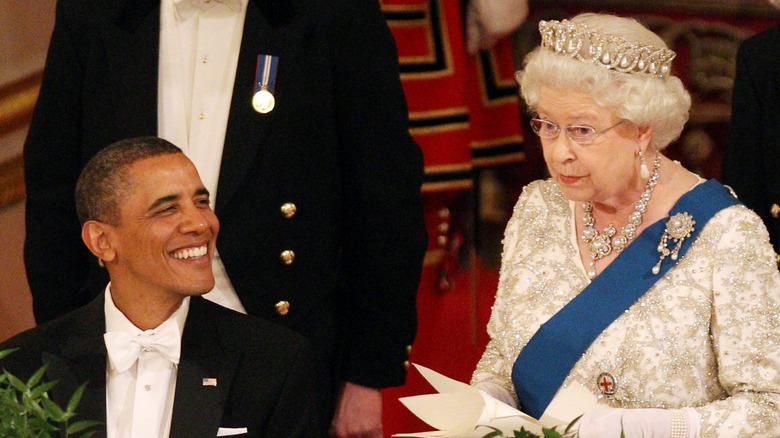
x=187, y=8
x=125, y=348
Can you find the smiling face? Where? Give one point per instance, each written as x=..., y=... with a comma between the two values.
x=164, y=242
x=607, y=170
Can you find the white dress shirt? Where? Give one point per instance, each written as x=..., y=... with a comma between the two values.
x=198, y=59
x=139, y=401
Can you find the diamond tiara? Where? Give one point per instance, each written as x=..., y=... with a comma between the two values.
x=578, y=41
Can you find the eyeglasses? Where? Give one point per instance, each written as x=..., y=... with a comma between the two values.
x=580, y=134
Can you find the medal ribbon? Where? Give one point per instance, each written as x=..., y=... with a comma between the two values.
x=265, y=73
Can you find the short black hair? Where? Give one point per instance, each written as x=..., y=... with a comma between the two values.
x=103, y=182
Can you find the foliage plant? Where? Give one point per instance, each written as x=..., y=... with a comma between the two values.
x=26, y=411
x=568, y=432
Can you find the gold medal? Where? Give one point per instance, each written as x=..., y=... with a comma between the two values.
x=263, y=101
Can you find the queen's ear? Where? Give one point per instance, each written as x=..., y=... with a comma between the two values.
x=97, y=236
x=644, y=135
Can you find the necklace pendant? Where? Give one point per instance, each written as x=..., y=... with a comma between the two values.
x=600, y=247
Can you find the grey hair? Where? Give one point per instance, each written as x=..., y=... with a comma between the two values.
x=663, y=104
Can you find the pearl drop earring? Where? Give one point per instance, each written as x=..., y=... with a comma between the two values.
x=644, y=172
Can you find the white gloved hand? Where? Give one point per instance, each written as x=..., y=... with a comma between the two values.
x=609, y=422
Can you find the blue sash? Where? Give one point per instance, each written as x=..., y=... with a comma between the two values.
x=545, y=362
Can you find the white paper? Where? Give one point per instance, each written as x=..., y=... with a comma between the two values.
x=569, y=403
x=460, y=410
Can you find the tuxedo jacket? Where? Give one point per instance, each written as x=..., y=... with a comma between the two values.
x=336, y=145
x=264, y=373
x=751, y=159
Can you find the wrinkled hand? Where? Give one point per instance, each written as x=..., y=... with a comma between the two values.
x=358, y=413
x=609, y=422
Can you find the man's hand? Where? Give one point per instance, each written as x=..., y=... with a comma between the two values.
x=358, y=413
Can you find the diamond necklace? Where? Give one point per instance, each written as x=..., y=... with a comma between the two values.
x=601, y=245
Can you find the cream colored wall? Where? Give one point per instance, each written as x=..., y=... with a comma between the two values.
x=25, y=29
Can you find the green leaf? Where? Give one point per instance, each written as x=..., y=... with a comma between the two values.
x=495, y=434
x=522, y=433
x=35, y=378
x=82, y=425
x=17, y=383
x=570, y=426
x=54, y=412
x=569, y=432
x=33, y=407
x=4, y=353
x=40, y=424
x=39, y=391
x=11, y=405
x=76, y=398
x=551, y=433
x=26, y=411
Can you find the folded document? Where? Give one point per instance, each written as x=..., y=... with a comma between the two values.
x=460, y=410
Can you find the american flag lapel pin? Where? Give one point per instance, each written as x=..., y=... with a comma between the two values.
x=209, y=381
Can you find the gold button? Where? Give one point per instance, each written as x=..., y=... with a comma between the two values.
x=288, y=210
x=408, y=350
x=775, y=211
x=287, y=257
x=406, y=364
x=282, y=308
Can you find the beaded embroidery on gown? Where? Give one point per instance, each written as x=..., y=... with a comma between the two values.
x=706, y=335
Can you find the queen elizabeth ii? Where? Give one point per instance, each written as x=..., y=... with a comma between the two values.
x=625, y=272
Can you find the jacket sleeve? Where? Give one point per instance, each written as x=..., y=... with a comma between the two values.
x=746, y=132
x=55, y=258
x=744, y=331
x=296, y=399
x=383, y=222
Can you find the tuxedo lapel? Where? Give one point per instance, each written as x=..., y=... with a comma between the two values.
x=82, y=360
x=204, y=376
x=87, y=366
x=269, y=29
x=132, y=55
